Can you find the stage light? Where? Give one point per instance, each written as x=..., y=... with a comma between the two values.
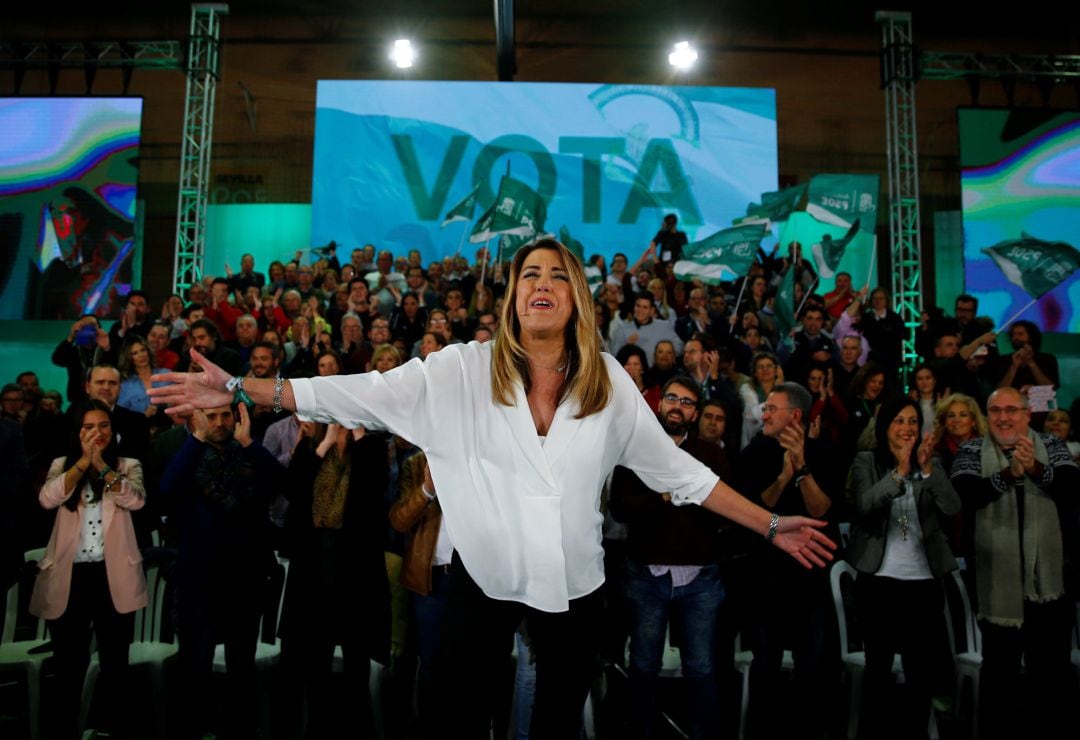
x=683, y=57
x=403, y=54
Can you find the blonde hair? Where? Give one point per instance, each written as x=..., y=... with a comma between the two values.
x=383, y=350
x=942, y=410
x=587, y=379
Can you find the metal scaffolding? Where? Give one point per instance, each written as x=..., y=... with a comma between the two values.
x=898, y=76
x=951, y=65
x=203, y=68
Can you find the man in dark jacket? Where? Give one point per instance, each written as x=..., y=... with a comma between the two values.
x=218, y=489
x=672, y=571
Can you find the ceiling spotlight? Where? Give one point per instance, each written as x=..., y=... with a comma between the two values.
x=403, y=54
x=683, y=57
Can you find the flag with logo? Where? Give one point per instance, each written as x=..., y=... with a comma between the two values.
x=463, y=211
x=843, y=199
x=1034, y=265
x=518, y=210
x=721, y=257
x=775, y=206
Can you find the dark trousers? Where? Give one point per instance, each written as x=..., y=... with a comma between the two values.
x=229, y=615
x=477, y=638
x=795, y=613
x=1040, y=704
x=428, y=612
x=899, y=617
x=89, y=609
x=693, y=608
x=308, y=677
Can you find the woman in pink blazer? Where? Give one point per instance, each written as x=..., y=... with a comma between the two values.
x=91, y=575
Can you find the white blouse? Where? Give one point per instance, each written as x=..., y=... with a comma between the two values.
x=91, y=533
x=524, y=517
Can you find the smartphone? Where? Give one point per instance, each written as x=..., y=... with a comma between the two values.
x=86, y=336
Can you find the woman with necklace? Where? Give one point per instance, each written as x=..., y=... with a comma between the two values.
x=900, y=494
x=540, y=418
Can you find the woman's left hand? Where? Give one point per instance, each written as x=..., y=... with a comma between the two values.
x=801, y=538
x=926, y=453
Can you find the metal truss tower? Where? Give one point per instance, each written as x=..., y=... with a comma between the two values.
x=203, y=68
x=898, y=76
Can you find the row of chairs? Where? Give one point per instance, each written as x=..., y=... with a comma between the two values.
x=152, y=649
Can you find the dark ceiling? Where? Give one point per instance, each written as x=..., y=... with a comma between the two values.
x=1058, y=25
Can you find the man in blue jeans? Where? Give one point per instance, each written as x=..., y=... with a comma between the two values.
x=671, y=573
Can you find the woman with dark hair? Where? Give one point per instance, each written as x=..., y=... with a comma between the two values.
x=926, y=393
x=865, y=395
x=409, y=320
x=138, y=368
x=636, y=365
x=91, y=577
x=328, y=362
x=541, y=417
x=900, y=494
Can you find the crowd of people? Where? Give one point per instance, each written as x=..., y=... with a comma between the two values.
x=812, y=423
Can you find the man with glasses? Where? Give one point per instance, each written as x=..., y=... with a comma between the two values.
x=356, y=352
x=785, y=471
x=671, y=571
x=1021, y=490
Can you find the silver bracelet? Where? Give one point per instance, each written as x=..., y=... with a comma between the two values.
x=279, y=386
x=774, y=523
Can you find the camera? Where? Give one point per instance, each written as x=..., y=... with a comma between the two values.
x=86, y=336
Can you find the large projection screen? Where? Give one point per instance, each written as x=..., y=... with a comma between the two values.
x=1020, y=179
x=68, y=172
x=392, y=157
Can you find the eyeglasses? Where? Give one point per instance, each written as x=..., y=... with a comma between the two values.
x=684, y=401
x=438, y=321
x=1005, y=410
x=767, y=408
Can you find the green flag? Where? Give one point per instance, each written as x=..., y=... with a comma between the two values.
x=828, y=252
x=571, y=243
x=826, y=244
x=843, y=199
x=774, y=206
x=463, y=211
x=518, y=210
x=784, y=304
x=1035, y=265
x=723, y=256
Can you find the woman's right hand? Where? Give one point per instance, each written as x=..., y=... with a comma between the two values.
x=186, y=392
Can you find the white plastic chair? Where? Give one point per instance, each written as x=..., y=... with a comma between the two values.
x=743, y=660
x=267, y=654
x=969, y=660
x=854, y=661
x=20, y=655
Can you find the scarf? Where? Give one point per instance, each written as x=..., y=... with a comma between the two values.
x=1009, y=574
x=330, y=490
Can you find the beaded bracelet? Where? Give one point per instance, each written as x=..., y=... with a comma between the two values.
x=236, y=385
